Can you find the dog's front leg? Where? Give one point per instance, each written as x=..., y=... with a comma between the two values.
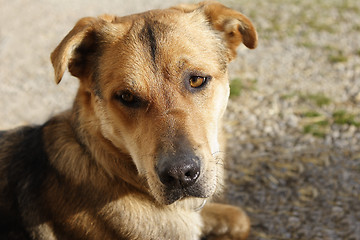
x=224, y=222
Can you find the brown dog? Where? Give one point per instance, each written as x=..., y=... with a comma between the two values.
x=138, y=154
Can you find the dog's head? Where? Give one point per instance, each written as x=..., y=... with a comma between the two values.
x=156, y=86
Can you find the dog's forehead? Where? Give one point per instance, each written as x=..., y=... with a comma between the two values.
x=166, y=37
x=168, y=24
x=166, y=16
x=159, y=49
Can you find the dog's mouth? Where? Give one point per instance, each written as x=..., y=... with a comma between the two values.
x=172, y=195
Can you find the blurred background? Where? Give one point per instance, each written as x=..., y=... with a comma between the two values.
x=293, y=121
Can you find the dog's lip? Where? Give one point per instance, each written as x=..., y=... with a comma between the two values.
x=179, y=194
x=172, y=198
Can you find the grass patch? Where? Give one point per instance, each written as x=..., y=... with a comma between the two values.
x=338, y=58
x=319, y=99
x=317, y=129
x=311, y=114
x=331, y=48
x=349, y=6
x=307, y=44
x=236, y=86
x=322, y=123
x=336, y=55
x=342, y=117
x=356, y=27
x=288, y=96
x=318, y=124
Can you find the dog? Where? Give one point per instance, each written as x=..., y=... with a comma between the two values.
x=140, y=151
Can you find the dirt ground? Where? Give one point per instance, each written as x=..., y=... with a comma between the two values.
x=293, y=121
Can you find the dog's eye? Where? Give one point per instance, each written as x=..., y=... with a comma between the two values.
x=128, y=99
x=197, y=81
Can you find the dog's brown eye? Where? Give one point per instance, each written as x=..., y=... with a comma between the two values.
x=197, y=81
x=127, y=97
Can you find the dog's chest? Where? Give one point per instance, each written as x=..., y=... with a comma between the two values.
x=141, y=220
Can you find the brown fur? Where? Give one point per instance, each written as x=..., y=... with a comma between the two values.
x=93, y=171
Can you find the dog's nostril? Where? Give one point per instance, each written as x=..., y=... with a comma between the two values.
x=190, y=175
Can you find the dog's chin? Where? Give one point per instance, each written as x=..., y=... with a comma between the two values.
x=173, y=195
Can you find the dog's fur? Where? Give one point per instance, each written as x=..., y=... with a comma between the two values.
x=140, y=150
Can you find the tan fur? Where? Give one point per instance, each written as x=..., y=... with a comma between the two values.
x=105, y=153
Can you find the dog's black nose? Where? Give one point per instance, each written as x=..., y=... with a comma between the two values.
x=178, y=172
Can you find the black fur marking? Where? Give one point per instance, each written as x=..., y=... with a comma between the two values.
x=96, y=82
x=148, y=37
x=152, y=42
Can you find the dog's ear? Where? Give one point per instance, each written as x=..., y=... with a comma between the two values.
x=78, y=50
x=235, y=27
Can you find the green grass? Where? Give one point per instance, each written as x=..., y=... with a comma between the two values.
x=236, y=86
x=288, y=96
x=356, y=27
x=338, y=58
x=336, y=55
x=322, y=123
x=317, y=129
x=311, y=114
x=319, y=99
x=307, y=44
x=348, y=6
x=342, y=117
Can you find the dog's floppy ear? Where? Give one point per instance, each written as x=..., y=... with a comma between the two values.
x=236, y=27
x=78, y=50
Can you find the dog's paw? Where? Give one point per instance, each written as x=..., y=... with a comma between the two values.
x=225, y=222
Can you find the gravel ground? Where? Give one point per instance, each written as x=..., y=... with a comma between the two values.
x=293, y=121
